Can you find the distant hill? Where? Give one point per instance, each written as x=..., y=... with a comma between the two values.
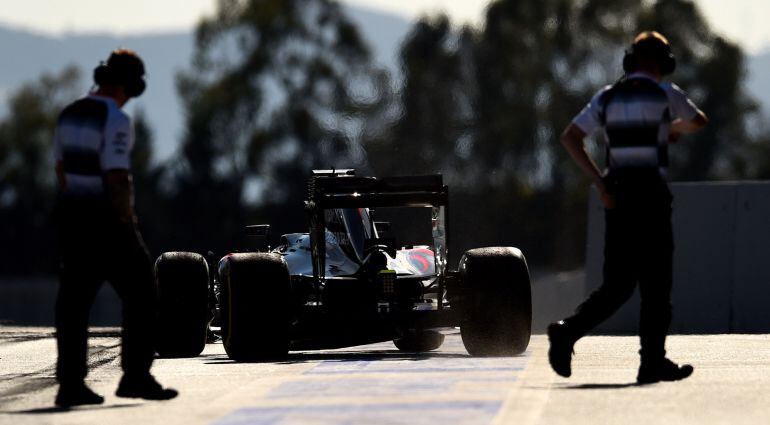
x=28, y=55
x=33, y=54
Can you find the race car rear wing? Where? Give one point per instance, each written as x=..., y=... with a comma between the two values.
x=348, y=191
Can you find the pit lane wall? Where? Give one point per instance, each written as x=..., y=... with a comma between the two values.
x=721, y=260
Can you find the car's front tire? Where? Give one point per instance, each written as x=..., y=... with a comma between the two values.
x=414, y=341
x=496, y=304
x=183, y=312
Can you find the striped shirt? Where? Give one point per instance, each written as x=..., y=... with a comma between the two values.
x=93, y=135
x=636, y=117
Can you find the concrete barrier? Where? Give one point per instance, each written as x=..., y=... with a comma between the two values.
x=554, y=296
x=721, y=267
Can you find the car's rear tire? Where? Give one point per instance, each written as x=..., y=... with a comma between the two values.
x=183, y=310
x=496, y=303
x=419, y=341
x=255, y=306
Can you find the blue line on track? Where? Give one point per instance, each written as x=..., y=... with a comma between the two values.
x=420, y=370
x=420, y=366
x=404, y=378
x=453, y=412
x=374, y=387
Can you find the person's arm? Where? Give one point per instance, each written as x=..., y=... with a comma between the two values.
x=116, y=163
x=120, y=189
x=688, y=117
x=572, y=139
x=58, y=157
x=61, y=178
x=681, y=126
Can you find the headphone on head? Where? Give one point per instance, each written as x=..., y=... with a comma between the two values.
x=650, y=45
x=124, y=68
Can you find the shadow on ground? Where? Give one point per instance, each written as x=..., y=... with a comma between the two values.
x=598, y=386
x=304, y=357
x=55, y=409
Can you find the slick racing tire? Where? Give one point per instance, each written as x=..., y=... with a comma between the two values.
x=419, y=341
x=255, y=306
x=496, y=304
x=183, y=311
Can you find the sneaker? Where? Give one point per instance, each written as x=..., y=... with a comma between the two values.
x=561, y=350
x=145, y=387
x=662, y=370
x=79, y=394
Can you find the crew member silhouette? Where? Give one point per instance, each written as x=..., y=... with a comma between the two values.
x=98, y=235
x=640, y=116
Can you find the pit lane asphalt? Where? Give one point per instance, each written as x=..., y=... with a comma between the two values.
x=377, y=384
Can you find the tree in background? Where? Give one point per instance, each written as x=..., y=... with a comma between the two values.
x=26, y=173
x=153, y=203
x=431, y=132
x=712, y=70
x=485, y=107
x=277, y=87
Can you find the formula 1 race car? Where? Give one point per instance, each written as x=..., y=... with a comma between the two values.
x=350, y=280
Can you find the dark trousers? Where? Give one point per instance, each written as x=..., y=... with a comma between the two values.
x=638, y=248
x=93, y=247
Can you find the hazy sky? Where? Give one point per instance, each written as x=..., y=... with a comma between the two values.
x=744, y=21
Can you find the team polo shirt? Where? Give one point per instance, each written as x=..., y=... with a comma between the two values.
x=636, y=123
x=93, y=135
